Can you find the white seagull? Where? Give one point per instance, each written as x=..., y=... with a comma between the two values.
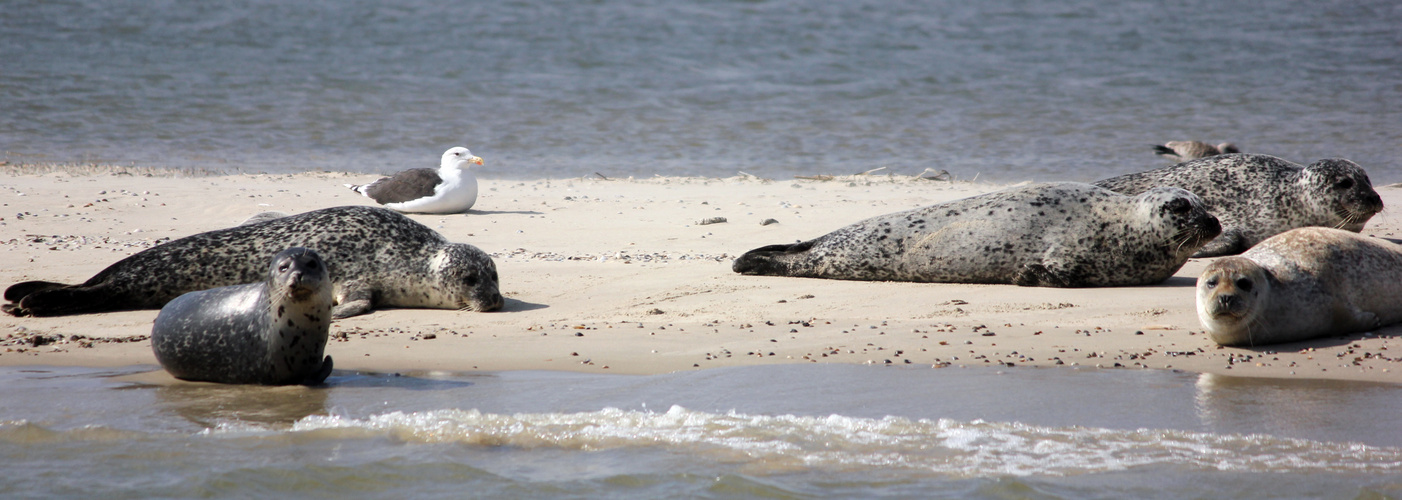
x=450, y=189
x=1181, y=151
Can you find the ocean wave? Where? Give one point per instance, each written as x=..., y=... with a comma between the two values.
x=946, y=447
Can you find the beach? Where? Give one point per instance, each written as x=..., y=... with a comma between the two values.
x=632, y=276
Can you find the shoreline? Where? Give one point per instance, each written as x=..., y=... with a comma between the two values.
x=619, y=276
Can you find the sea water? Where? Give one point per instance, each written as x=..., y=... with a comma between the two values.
x=786, y=431
x=1002, y=90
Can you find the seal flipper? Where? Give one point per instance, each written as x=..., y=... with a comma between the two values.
x=320, y=376
x=1228, y=243
x=19, y=291
x=1049, y=275
x=353, y=299
x=67, y=299
x=770, y=260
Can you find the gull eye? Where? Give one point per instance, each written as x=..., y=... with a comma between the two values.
x=1243, y=284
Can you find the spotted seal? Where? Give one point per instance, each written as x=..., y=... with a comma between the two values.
x=1181, y=151
x=271, y=333
x=1259, y=196
x=1056, y=234
x=1301, y=284
x=377, y=258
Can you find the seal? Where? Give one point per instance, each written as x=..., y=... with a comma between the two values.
x=1181, y=151
x=1302, y=284
x=271, y=333
x=1259, y=196
x=377, y=258
x=262, y=217
x=1056, y=234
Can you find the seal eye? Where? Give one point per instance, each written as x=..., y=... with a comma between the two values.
x=1344, y=184
x=1243, y=284
x=283, y=268
x=1211, y=282
x=471, y=281
x=1180, y=206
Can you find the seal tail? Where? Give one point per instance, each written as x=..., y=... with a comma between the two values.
x=772, y=260
x=19, y=291
x=41, y=298
x=1160, y=149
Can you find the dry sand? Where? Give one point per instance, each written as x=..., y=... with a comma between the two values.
x=620, y=276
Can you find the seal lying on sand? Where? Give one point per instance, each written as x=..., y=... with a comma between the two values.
x=1301, y=284
x=1259, y=196
x=1057, y=234
x=376, y=258
x=271, y=333
x=1181, y=151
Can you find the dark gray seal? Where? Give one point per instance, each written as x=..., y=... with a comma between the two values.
x=271, y=333
x=1056, y=234
x=1259, y=196
x=377, y=258
x=1301, y=284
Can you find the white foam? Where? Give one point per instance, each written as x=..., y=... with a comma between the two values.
x=945, y=447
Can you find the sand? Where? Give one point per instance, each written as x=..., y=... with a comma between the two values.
x=622, y=276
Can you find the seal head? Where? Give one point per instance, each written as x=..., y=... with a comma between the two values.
x=1340, y=187
x=1232, y=293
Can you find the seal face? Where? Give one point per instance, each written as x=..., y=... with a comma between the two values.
x=376, y=258
x=1302, y=284
x=271, y=333
x=1259, y=196
x=1055, y=234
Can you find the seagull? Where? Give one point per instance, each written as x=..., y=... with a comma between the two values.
x=1181, y=151
x=450, y=189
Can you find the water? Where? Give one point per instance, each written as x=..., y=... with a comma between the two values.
x=1007, y=90
x=775, y=431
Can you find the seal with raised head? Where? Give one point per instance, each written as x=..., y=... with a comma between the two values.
x=377, y=258
x=271, y=333
x=1259, y=196
x=1301, y=284
x=1056, y=234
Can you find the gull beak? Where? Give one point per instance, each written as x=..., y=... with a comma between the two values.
x=475, y=159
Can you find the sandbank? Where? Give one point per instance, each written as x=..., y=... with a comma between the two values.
x=622, y=276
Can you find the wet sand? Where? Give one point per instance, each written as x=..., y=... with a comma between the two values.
x=620, y=276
